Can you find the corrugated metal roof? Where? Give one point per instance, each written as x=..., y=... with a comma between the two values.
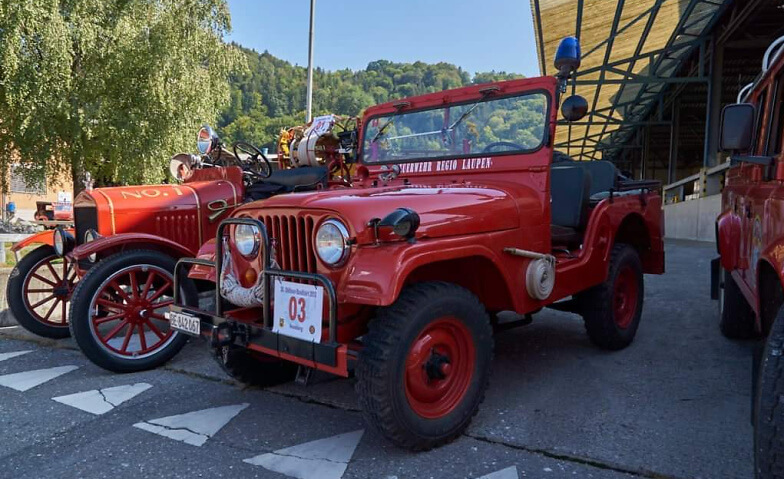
x=631, y=50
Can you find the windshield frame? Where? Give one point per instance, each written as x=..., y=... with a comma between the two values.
x=491, y=97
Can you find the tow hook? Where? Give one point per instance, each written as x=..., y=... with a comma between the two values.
x=222, y=335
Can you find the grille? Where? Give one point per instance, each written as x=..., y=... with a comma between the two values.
x=85, y=217
x=293, y=239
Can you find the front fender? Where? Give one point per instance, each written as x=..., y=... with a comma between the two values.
x=110, y=244
x=44, y=237
x=206, y=252
x=377, y=274
x=728, y=231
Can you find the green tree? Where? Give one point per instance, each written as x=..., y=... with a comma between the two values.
x=110, y=87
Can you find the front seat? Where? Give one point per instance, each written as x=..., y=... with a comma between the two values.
x=570, y=187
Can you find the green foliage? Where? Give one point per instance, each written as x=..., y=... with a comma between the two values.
x=110, y=87
x=271, y=94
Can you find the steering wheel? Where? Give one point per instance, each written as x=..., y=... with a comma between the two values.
x=256, y=167
x=508, y=144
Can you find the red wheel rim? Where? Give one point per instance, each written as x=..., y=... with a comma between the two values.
x=47, y=290
x=127, y=312
x=625, y=296
x=439, y=368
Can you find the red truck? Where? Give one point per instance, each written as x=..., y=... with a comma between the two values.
x=457, y=212
x=748, y=275
x=132, y=236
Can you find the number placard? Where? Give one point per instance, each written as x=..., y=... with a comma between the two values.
x=298, y=310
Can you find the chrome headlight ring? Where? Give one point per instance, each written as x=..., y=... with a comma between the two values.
x=332, y=243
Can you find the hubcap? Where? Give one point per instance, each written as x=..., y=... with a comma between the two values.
x=625, y=297
x=127, y=312
x=439, y=368
x=47, y=290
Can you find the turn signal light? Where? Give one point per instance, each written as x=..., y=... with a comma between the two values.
x=249, y=278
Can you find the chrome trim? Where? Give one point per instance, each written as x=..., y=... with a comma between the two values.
x=346, y=247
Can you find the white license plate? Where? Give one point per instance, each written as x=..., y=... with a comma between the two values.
x=185, y=323
x=298, y=310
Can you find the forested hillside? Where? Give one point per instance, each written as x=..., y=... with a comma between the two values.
x=270, y=95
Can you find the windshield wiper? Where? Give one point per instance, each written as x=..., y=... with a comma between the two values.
x=462, y=117
x=398, y=106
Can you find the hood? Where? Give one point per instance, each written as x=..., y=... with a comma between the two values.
x=444, y=210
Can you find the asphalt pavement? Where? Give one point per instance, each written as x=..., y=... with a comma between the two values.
x=675, y=404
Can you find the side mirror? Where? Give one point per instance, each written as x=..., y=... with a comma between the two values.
x=737, y=127
x=206, y=140
x=567, y=57
x=574, y=108
x=181, y=166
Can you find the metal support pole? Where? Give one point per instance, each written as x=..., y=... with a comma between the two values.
x=309, y=110
x=674, y=134
x=713, y=105
x=646, y=152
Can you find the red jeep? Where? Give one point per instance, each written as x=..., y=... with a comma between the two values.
x=456, y=213
x=748, y=276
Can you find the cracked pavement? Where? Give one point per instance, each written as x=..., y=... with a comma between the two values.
x=673, y=405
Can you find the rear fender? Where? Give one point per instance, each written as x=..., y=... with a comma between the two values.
x=728, y=230
x=44, y=237
x=119, y=242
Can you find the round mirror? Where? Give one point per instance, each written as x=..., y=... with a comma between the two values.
x=181, y=166
x=206, y=140
x=574, y=108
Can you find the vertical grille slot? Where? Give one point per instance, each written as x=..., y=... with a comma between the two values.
x=293, y=236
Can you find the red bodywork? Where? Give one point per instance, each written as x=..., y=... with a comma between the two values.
x=471, y=209
x=750, y=229
x=175, y=219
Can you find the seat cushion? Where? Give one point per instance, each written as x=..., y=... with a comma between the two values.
x=306, y=176
x=562, y=235
x=604, y=175
x=569, y=191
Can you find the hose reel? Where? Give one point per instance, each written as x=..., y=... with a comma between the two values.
x=540, y=274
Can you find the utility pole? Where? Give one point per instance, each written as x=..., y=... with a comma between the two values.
x=309, y=112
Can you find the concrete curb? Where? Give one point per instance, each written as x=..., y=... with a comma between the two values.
x=6, y=318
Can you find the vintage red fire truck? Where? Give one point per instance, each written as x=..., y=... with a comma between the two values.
x=126, y=236
x=456, y=213
x=748, y=276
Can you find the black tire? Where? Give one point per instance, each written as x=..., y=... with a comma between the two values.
x=15, y=295
x=91, y=285
x=381, y=367
x=736, y=316
x=607, y=326
x=254, y=369
x=769, y=406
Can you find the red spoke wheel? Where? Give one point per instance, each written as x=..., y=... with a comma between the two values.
x=39, y=291
x=425, y=365
x=612, y=309
x=119, y=309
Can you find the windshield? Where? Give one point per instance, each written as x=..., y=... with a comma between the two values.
x=504, y=125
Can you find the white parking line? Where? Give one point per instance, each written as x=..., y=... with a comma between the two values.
x=30, y=379
x=100, y=401
x=195, y=427
x=4, y=356
x=508, y=473
x=325, y=458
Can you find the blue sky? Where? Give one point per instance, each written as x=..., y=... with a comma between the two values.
x=478, y=35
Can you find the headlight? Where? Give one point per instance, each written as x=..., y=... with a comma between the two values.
x=59, y=242
x=246, y=240
x=62, y=241
x=332, y=242
x=90, y=236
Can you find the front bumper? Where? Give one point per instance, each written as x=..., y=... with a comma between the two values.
x=236, y=328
